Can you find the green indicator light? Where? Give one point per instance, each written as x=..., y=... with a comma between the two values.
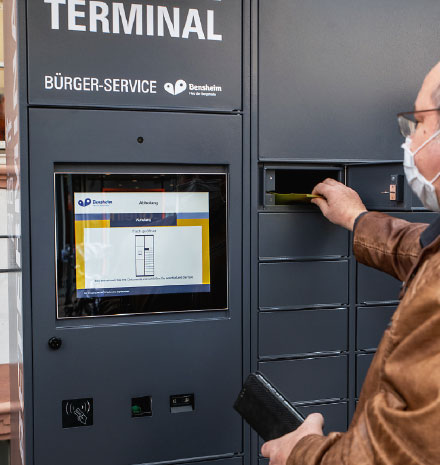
x=135, y=409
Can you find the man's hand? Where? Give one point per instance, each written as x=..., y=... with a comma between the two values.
x=278, y=450
x=340, y=205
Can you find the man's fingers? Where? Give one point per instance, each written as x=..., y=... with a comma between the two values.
x=326, y=185
x=321, y=203
x=331, y=182
x=322, y=189
x=316, y=419
x=265, y=448
x=319, y=188
x=316, y=189
x=340, y=205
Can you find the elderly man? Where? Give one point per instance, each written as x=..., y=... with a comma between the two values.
x=397, y=420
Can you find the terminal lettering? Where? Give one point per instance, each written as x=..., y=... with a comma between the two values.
x=140, y=19
x=94, y=84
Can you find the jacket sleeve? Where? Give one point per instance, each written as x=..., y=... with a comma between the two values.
x=399, y=423
x=389, y=244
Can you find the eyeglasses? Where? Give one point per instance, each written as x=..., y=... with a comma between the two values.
x=408, y=123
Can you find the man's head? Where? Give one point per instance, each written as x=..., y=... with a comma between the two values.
x=428, y=158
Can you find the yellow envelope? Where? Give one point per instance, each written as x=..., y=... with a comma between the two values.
x=286, y=199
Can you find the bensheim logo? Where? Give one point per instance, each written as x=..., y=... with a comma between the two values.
x=84, y=203
x=177, y=88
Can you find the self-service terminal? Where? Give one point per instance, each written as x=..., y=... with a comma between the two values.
x=129, y=135
x=140, y=329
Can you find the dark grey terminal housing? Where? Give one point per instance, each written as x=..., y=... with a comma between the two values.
x=245, y=101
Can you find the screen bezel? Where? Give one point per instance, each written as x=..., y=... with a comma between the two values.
x=142, y=170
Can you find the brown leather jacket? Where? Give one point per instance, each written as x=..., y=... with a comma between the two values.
x=397, y=420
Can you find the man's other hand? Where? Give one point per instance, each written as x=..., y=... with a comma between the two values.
x=278, y=450
x=340, y=205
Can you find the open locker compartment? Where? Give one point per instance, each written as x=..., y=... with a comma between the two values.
x=281, y=181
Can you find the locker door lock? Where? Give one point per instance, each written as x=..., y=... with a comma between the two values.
x=269, y=186
x=396, y=188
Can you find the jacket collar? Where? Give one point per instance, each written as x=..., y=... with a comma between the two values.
x=430, y=233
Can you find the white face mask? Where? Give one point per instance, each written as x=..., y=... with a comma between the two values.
x=423, y=188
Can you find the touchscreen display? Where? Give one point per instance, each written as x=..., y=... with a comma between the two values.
x=140, y=243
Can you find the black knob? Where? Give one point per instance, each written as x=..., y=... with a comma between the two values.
x=55, y=343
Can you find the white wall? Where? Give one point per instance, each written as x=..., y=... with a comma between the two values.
x=4, y=328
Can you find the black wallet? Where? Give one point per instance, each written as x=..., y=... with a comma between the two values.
x=266, y=410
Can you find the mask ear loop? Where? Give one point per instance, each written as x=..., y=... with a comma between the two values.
x=435, y=178
x=420, y=148
x=426, y=142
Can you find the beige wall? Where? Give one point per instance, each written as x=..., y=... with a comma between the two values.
x=4, y=330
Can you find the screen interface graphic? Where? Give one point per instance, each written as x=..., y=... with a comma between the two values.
x=130, y=244
x=141, y=243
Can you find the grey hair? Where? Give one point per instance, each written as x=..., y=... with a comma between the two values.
x=435, y=97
